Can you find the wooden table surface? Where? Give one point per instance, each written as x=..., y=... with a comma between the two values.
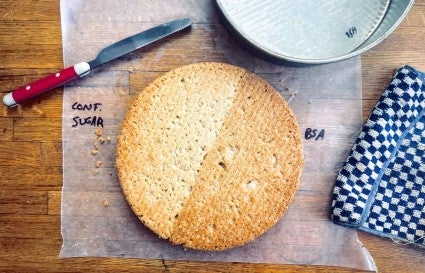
x=31, y=150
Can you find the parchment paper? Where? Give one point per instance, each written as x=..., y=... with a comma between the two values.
x=96, y=219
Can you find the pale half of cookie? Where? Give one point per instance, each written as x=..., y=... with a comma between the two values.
x=209, y=156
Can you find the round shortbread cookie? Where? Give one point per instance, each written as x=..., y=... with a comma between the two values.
x=209, y=156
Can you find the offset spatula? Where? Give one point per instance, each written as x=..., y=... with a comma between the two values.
x=107, y=54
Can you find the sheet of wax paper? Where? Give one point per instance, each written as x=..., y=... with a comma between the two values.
x=96, y=219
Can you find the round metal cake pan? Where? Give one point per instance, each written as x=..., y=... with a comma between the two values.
x=311, y=32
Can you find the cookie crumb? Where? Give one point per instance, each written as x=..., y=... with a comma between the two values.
x=99, y=132
x=106, y=203
x=95, y=171
x=101, y=140
x=94, y=152
x=98, y=163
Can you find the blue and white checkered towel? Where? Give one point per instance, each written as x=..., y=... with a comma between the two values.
x=381, y=187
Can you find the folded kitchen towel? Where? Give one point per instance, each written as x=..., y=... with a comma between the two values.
x=381, y=187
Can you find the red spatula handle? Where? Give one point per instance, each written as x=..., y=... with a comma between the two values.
x=42, y=85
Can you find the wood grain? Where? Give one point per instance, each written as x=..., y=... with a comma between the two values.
x=30, y=149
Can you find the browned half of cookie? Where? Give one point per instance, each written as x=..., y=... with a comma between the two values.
x=209, y=156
